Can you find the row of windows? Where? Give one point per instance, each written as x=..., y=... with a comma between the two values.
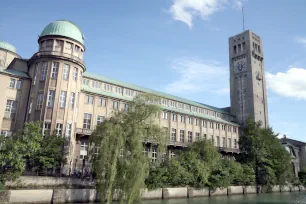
x=88, y=118
x=55, y=71
x=110, y=88
x=58, y=129
x=89, y=99
x=196, y=137
x=163, y=101
x=15, y=84
x=59, y=44
x=198, y=122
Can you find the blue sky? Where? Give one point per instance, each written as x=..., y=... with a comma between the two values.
x=180, y=46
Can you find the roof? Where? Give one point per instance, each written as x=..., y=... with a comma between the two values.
x=64, y=28
x=7, y=46
x=14, y=72
x=157, y=93
x=294, y=142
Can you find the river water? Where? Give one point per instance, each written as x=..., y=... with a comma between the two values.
x=269, y=198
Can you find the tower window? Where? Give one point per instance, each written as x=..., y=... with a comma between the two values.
x=239, y=48
x=259, y=49
x=66, y=72
x=55, y=70
x=243, y=46
x=235, y=49
x=44, y=70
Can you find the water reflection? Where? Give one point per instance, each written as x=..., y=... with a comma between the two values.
x=274, y=198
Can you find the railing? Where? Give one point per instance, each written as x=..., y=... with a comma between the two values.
x=70, y=56
x=84, y=131
x=225, y=149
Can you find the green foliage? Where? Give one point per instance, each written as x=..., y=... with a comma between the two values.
x=50, y=153
x=158, y=176
x=122, y=164
x=262, y=150
x=27, y=146
x=302, y=177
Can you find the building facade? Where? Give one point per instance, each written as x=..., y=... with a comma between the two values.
x=247, y=78
x=54, y=87
x=297, y=151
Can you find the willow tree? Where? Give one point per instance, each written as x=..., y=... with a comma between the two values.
x=117, y=148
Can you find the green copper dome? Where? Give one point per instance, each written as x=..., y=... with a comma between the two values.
x=64, y=28
x=7, y=46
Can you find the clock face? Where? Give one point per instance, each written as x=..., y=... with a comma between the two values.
x=240, y=65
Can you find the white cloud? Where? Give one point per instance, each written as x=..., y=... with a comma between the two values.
x=198, y=76
x=301, y=40
x=186, y=10
x=289, y=84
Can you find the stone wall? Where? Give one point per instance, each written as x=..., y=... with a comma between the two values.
x=91, y=195
x=48, y=182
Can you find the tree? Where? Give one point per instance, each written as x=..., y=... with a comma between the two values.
x=263, y=151
x=121, y=165
x=27, y=148
x=50, y=154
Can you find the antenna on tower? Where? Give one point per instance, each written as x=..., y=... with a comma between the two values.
x=243, y=18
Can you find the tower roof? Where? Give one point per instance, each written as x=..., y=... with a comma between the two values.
x=7, y=46
x=64, y=28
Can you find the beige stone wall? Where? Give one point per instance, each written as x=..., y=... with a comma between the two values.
x=18, y=95
x=6, y=57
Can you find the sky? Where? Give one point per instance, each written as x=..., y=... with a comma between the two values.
x=179, y=46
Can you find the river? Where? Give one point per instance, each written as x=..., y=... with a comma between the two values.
x=269, y=198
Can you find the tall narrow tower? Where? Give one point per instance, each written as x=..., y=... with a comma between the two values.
x=247, y=78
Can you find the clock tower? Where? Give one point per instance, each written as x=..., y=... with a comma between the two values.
x=247, y=78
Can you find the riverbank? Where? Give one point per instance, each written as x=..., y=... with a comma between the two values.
x=70, y=190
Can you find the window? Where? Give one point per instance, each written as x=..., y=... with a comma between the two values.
x=10, y=109
x=173, y=135
x=54, y=70
x=75, y=74
x=83, y=150
x=72, y=99
x=182, y=135
x=51, y=98
x=44, y=70
x=118, y=90
x=174, y=116
x=47, y=127
x=189, y=120
x=235, y=143
x=126, y=107
x=18, y=85
x=115, y=104
x=189, y=136
x=217, y=141
x=108, y=87
x=235, y=49
x=100, y=119
x=66, y=72
x=165, y=115
x=87, y=121
x=229, y=128
x=89, y=99
x=86, y=81
x=12, y=83
x=234, y=129
x=68, y=130
x=96, y=84
x=39, y=102
x=205, y=136
x=102, y=102
x=154, y=153
x=229, y=143
x=197, y=136
x=259, y=49
x=30, y=107
x=128, y=92
x=210, y=125
x=183, y=119
x=223, y=127
x=197, y=122
x=58, y=129
x=223, y=142
x=63, y=99
x=6, y=133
